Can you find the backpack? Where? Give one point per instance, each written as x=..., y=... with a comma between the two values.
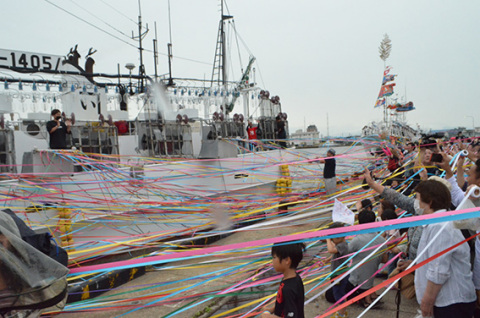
x=42, y=242
x=31, y=281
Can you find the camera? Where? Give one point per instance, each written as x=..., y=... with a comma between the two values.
x=436, y=157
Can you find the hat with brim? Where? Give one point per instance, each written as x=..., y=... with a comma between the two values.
x=441, y=180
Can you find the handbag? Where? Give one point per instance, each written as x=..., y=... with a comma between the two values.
x=406, y=284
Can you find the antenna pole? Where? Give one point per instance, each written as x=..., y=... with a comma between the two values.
x=328, y=128
x=141, y=67
x=141, y=70
x=169, y=49
x=155, y=53
x=118, y=69
x=169, y=22
x=385, y=118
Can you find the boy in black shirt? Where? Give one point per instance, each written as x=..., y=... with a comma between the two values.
x=58, y=130
x=291, y=294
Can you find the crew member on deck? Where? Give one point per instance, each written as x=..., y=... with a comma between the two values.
x=280, y=132
x=252, y=135
x=58, y=130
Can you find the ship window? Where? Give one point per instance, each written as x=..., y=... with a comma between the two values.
x=33, y=129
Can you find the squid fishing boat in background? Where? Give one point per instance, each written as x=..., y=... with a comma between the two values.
x=394, y=124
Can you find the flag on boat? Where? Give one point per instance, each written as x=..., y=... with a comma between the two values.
x=380, y=102
x=341, y=213
x=388, y=78
x=405, y=107
x=402, y=107
x=387, y=70
x=386, y=90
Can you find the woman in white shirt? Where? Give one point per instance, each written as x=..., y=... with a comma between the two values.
x=444, y=286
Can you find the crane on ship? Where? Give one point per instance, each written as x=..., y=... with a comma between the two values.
x=243, y=84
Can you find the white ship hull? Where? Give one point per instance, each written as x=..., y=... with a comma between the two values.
x=127, y=202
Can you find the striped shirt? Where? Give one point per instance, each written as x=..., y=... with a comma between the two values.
x=451, y=270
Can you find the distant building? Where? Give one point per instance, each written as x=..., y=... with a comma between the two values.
x=454, y=132
x=307, y=139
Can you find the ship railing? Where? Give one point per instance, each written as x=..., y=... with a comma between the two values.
x=94, y=138
x=168, y=139
x=176, y=141
x=7, y=152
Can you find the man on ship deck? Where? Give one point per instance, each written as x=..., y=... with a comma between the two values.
x=58, y=130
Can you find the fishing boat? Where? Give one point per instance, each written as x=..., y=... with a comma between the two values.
x=151, y=160
x=394, y=127
x=148, y=157
x=394, y=122
x=139, y=145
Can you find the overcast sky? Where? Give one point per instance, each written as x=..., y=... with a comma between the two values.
x=319, y=56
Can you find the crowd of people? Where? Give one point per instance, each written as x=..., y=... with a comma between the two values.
x=410, y=179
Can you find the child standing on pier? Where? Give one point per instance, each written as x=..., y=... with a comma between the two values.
x=291, y=294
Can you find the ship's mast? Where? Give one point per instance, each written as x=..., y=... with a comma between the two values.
x=219, y=73
x=224, y=56
x=169, y=47
x=384, y=50
x=141, y=67
x=385, y=117
x=155, y=54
